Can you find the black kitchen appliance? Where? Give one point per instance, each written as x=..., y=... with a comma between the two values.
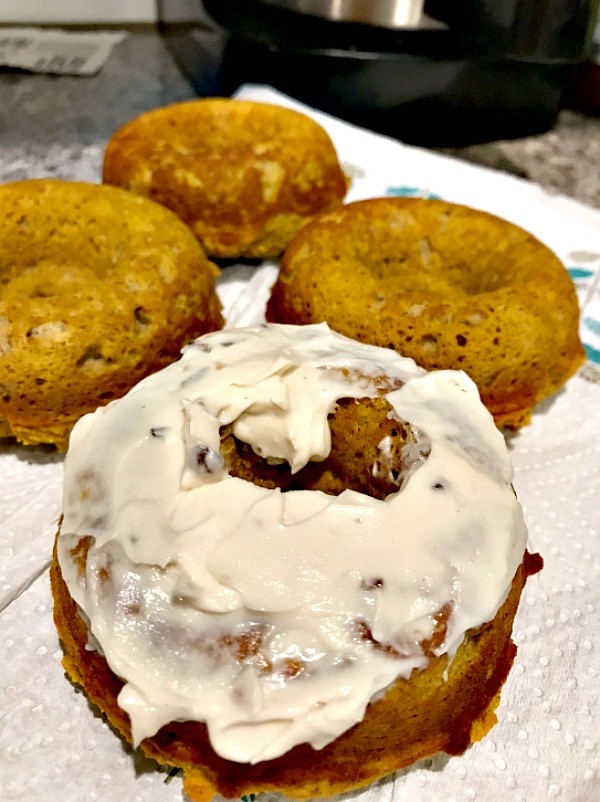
x=457, y=74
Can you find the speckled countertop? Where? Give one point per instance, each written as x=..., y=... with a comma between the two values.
x=59, y=125
x=566, y=159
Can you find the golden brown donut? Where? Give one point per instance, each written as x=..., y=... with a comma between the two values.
x=98, y=288
x=244, y=176
x=447, y=285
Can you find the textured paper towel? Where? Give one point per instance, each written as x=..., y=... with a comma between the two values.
x=547, y=742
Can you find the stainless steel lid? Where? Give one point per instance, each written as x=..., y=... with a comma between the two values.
x=382, y=13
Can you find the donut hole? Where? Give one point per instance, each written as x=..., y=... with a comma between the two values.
x=409, y=250
x=371, y=453
x=496, y=275
x=438, y=277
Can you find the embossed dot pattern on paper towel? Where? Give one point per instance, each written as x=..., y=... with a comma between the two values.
x=557, y=470
x=31, y=492
x=56, y=747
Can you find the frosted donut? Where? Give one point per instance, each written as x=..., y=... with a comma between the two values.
x=447, y=285
x=98, y=288
x=267, y=637
x=244, y=176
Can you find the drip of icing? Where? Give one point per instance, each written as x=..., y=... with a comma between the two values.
x=276, y=617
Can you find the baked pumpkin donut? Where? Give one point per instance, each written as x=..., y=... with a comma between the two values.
x=244, y=176
x=446, y=285
x=276, y=565
x=98, y=288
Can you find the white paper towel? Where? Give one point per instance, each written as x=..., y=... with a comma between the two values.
x=547, y=743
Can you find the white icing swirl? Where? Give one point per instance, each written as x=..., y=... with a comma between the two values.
x=276, y=617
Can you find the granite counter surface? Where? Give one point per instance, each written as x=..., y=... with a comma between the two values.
x=58, y=126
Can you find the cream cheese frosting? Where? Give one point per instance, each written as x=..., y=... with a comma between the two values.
x=276, y=617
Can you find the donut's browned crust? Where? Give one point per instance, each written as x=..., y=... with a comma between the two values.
x=447, y=285
x=441, y=709
x=98, y=288
x=244, y=176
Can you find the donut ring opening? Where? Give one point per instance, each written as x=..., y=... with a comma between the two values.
x=355, y=461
